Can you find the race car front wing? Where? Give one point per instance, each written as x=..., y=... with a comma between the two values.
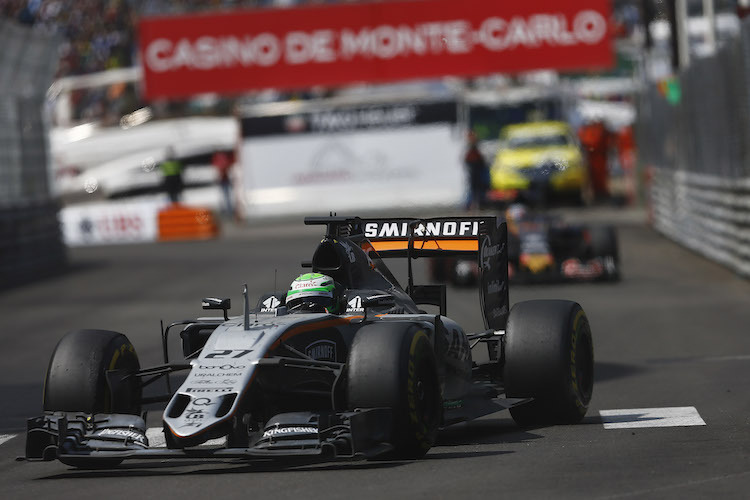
x=73, y=437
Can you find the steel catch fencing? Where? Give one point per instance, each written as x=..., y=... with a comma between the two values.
x=697, y=155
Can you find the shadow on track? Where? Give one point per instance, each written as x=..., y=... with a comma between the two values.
x=612, y=371
x=483, y=431
x=180, y=467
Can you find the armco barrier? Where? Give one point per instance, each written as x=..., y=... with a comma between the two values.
x=708, y=214
x=30, y=243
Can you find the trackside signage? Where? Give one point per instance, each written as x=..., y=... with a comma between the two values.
x=110, y=223
x=368, y=42
x=351, y=118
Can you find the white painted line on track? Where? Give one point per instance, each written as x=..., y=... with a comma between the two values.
x=682, y=416
x=6, y=437
x=155, y=437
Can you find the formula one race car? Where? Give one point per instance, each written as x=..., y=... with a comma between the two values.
x=345, y=364
x=542, y=248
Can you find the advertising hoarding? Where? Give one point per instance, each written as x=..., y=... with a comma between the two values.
x=237, y=51
x=361, y=157
x=110, y=223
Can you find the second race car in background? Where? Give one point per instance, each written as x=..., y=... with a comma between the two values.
x=538, y=162
x=543, y=248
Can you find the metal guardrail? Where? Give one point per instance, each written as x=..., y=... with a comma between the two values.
x=708, y=214
x=698, y=155
x=30, y=243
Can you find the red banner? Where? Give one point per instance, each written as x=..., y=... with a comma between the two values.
x=388, y=41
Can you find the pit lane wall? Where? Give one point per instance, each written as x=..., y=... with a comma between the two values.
x=30, y=240
x=349, y=155
x=697, y=155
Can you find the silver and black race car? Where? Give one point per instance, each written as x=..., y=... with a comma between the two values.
x=543, y=248
x=377, y=377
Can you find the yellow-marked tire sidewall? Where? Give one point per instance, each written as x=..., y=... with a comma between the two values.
x=392, y=365
x=420, y=363
x=76, y=375
x=580, y=368
x=548, y=356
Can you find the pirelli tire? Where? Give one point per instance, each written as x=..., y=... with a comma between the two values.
x=548, y=356
x=393, y=365
x=604, y=244
x=76, y=381
x=440, y=269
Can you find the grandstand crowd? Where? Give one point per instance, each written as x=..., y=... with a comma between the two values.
x=99, y=35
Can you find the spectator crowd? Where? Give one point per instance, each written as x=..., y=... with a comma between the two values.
x=99, y=35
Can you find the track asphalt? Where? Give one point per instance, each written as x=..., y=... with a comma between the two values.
x=670, y=416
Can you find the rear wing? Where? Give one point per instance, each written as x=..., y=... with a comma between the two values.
x=424, y=237
x=482, y=237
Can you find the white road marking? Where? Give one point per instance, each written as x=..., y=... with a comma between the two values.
x=682, y=416
x=6, y=437
x=156, y=439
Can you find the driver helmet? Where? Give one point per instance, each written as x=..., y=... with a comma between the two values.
x=315, y=292
x=516, y=212
x=514, y=215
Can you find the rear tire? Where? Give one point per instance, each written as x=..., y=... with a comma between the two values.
x=604, y=245
x=393, y=365
x=549, y=356
x=440, y=269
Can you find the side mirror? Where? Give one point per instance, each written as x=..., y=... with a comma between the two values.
x=376, y=301
x=216, y=303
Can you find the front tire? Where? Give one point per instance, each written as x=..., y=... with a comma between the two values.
x=76, y=378
x=393, y=365
x=549, y=356
x=76, y=381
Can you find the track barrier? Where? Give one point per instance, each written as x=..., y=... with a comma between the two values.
x=708, y=214
x=30, y=240
x=694, y=146
x=178, y=222
x=124, y=222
